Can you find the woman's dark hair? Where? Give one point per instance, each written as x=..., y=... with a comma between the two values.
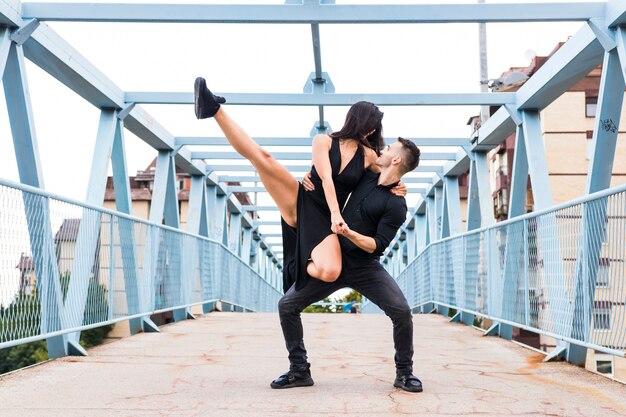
x=362, y=118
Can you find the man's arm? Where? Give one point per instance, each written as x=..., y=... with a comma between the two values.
x=366, y=243
x=393, y=217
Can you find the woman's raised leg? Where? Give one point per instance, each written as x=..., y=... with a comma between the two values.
x=279, y=183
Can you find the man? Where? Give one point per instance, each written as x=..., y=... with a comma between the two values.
x=374, y=216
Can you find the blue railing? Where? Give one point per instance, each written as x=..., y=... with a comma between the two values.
x=558, y=272
x=67, y=266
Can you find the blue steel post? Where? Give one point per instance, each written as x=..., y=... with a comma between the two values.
x=453, y=226
x=605, y=133
x=37, y=209
x=421, y=230
x=517, y=204
x=212, y=214
x=123, y=203
x=246, y=245
x=197, y=223
x=411, y=244
x=234, y=233
x=88, y=239
x=5, y=47
x=546, y=228
x=164, y=209
x=473, y=199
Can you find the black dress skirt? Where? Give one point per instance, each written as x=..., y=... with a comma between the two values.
x=313, y=223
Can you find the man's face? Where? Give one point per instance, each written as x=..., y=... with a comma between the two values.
x=388, y=154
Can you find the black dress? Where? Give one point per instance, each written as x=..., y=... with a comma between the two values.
x=313, y=223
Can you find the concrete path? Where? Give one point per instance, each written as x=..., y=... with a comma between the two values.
x=222, y=364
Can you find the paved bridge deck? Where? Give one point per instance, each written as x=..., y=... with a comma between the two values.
x=221, y=365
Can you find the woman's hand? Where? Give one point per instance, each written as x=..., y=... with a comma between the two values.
x=400, y=190
x=306, y=182
x=337, y=224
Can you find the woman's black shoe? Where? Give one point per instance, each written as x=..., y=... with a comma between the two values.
x=206, y=103
x=408, y=383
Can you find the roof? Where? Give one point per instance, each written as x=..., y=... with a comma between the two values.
x=68, y=232
x=25, y=263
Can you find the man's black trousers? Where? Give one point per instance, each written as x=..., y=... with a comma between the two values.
x=373, y=282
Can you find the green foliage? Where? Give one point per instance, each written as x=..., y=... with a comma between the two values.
x=352, y=297
x=321, y=309
x=22, y=319
x=22, y=355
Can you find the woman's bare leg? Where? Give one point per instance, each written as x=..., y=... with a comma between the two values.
x=325, y=262
x=279, y=183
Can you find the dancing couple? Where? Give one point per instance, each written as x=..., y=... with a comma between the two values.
x=335, y=225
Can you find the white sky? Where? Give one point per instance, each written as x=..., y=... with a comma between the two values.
x=435, y=58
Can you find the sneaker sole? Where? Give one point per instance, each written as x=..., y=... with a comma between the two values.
x=301, y=383
x=402, y=387
x=197, y=87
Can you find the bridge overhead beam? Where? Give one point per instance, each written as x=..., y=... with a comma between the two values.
x=299, y=168
x=321, y=99
x=250, y=178
x=306, y=141
x=615, y=13
x=314, y=13
x=306, y=156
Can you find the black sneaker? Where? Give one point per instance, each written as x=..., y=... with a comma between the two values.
x=206, y=103
x=293, y=379
x=408, y=383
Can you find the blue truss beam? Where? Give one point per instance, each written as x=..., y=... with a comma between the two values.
x=306, y=156
x=10, y=13
x=300, y=168
x=90, y=223
x=314, y=13
x=311, y=99
x=251, y=178
x=419, y=188
x=615, y=13
x=579, y=55
x=306, y=141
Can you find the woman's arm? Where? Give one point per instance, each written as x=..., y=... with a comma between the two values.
x=321, y=161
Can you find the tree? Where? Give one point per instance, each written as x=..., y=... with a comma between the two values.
x=352, y=297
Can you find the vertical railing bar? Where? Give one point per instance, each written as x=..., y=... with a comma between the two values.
x=111, y=265
x=526, y=289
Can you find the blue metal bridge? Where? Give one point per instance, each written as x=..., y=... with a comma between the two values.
x=535, y=271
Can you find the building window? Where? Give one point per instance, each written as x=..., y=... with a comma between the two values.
x=602, y=315
x=591, y=103
x=500, y=204
x=604, y=364
x=589, y=144
x=604, y=273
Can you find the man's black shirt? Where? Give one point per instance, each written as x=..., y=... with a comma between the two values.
x=372, y=210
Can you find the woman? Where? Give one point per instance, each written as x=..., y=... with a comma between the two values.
x=339, y=161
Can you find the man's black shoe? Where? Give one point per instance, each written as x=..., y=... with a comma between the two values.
x=206, y=103
x=408, y=383
x=293, y=379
